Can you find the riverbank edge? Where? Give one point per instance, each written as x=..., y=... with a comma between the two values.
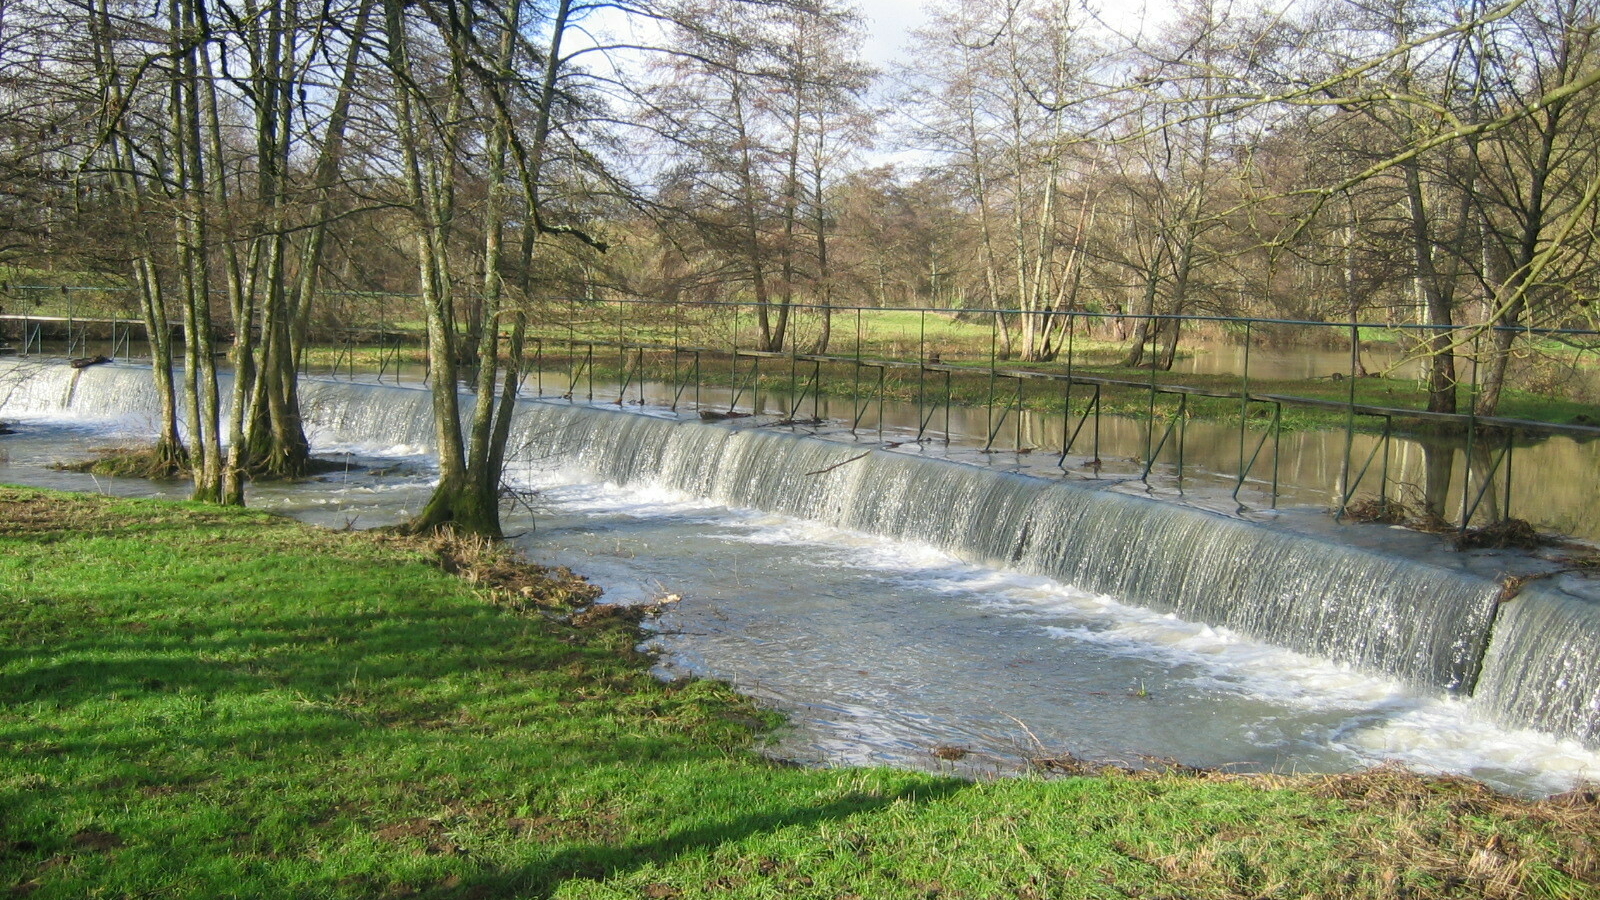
x=197, y=701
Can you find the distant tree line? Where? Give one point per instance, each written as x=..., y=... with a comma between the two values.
x=1400, y=161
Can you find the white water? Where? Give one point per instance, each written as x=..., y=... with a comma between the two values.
x=885, y=633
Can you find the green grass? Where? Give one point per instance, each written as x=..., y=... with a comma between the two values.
x=209, y=703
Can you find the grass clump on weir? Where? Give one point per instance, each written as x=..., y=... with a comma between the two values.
x=198, y=702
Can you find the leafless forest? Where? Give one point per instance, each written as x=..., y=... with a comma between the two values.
x=1386, y=161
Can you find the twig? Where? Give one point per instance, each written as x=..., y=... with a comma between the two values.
x=836, y=465
x=1512, y=585
x=1037, y=744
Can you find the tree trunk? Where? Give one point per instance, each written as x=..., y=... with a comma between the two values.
x=277, y=439
x=1511, y=297
x=200, y=375
x=130, y=192
x=428, y=198
x=241, y=290
x=467, y=497
x=1144, y=327
x=1439, y=344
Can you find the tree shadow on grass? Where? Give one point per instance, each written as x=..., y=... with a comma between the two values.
x=299, y=653
x=113, y=714
x=133, y=693
x=599, y=862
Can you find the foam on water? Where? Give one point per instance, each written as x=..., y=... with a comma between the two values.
x=1452, y=736
x=1367, y=718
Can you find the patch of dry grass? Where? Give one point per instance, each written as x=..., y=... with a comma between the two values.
x=501, y=572
x=149, y=462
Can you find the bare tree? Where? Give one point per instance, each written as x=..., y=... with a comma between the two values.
x=757, y=106
x=483, y=70
x=130, y=178
x=1534, y=175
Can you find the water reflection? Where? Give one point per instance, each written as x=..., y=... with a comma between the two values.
x=1221, y=467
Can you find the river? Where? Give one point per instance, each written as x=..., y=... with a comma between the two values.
x=896, y=651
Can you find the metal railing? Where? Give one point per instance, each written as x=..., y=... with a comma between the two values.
x=640, y=329
x=685, y=344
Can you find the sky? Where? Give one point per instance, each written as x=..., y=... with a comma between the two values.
x=890, y=22
x=889, y=28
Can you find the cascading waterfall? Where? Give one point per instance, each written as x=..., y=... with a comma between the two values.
x=50, y=388
x=1543, y=665
x=1423, y=623
x=1411, y=620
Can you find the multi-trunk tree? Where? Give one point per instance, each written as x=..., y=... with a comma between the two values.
x=201, y=111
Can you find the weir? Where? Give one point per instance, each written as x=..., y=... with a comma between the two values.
x=1532, y=662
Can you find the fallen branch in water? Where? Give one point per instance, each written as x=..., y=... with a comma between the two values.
x=838, y=464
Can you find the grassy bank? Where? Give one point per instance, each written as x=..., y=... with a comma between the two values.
x=207, y=703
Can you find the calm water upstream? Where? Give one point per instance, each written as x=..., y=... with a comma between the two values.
x=1547, y=475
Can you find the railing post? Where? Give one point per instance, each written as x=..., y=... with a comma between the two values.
x=922, y=366
x=1244, y=407
x=947, y=378
x=1183, y=434
x=1383, y=486
x=1505, y=508
x=574, y=371
x=1347, y=490
x=994, y=349
x=733, y=361
x=855, y=385
x=881, y=371
x=1019, y=414
x=1277, y=447
x=816, y=391
x=1066, y=401
x=1467, y=506
x=1150, y=421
